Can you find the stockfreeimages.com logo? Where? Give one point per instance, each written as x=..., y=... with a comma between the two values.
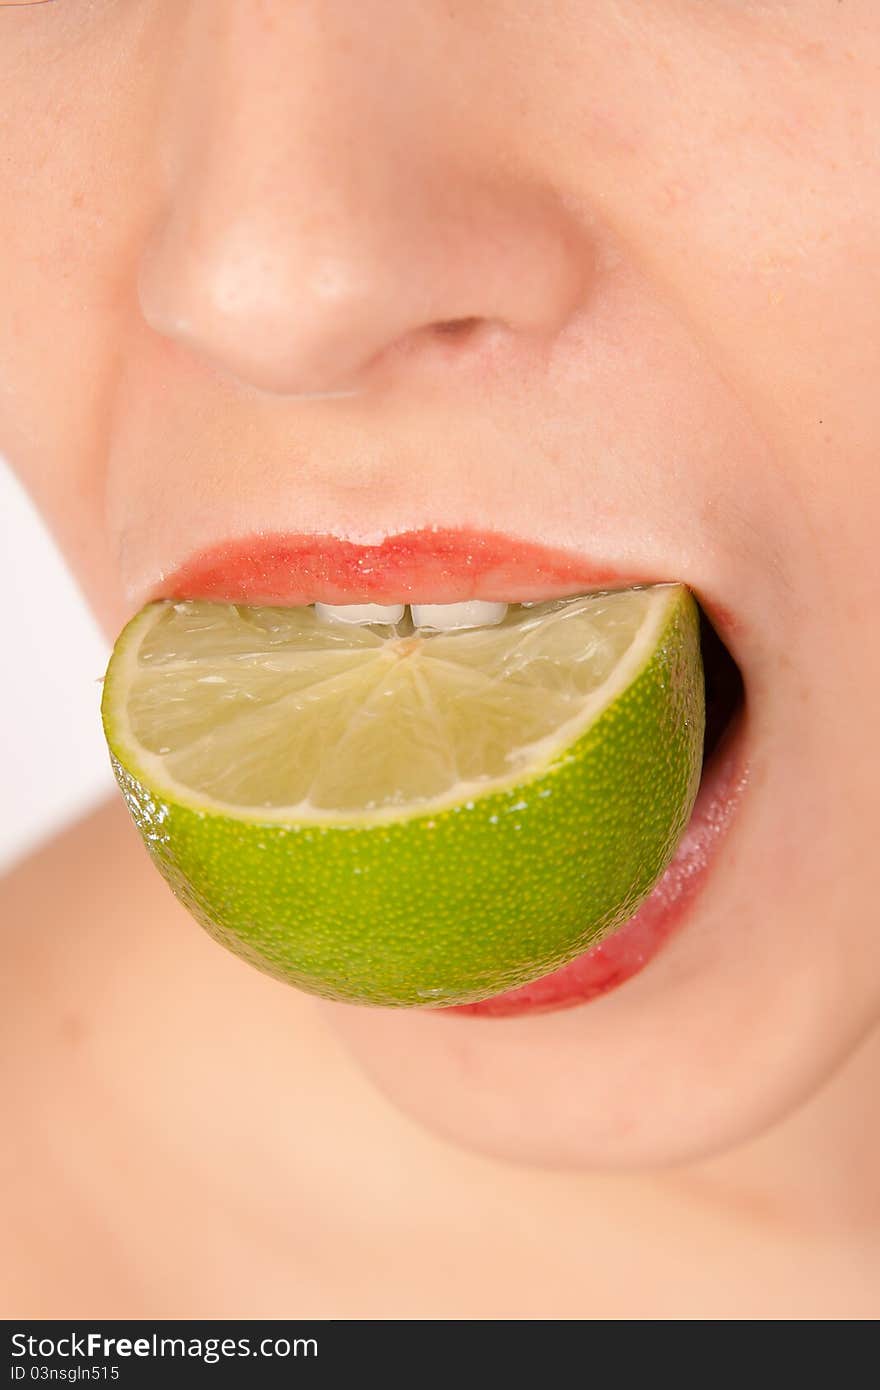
x=94, y=1346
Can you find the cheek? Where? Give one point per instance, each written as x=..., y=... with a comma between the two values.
x=67, y=258
x=53, y=358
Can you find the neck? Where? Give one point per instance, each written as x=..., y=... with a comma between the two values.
x=817, y=1167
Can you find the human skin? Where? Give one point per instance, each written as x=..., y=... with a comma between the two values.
x=230, y=230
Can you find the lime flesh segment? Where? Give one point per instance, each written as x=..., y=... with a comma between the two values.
x=399, y=818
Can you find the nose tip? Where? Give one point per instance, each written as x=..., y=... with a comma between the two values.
x=247, y=303
x=306, y=312
x=306, y=226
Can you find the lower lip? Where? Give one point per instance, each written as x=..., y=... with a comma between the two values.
x=629, y=949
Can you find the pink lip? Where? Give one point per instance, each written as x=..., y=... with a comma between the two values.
x=440, y=566
x=629, y=949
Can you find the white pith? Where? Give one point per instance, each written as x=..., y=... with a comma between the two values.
x=151, y=768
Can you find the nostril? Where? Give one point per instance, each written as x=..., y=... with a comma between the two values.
x=452, y=340
x=456, y=328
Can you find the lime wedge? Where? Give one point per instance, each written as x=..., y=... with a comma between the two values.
x=398, y=817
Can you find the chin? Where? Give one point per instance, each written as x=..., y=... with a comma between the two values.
x=693, y=1057
x=561, y=1099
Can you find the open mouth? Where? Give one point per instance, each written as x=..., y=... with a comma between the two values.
x=446, y=579
x=629, y=949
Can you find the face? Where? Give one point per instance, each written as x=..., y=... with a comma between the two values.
x=600, y=276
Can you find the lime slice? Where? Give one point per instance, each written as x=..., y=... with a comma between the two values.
x=400, y=817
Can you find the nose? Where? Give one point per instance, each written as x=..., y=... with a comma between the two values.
x=326, y=198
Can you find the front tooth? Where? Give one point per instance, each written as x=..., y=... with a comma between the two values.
x=360, y=612
x=445, y=617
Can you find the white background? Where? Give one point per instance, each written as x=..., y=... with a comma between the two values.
x=53, y=760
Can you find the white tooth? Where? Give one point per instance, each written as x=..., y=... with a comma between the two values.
x=445, y=617
x=360, y=612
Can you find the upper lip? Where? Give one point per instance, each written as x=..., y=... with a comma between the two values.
x=431, y=565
